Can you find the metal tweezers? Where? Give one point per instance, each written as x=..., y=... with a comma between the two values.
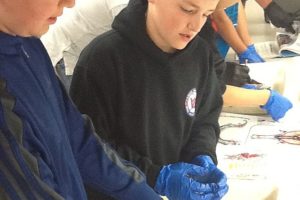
x=231, y=125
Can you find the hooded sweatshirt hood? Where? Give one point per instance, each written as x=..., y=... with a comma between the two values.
x=129, y=22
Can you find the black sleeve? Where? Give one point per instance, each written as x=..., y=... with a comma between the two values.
x=92, y=82
x=220, y=69
x=208, y=34
x=205, y=130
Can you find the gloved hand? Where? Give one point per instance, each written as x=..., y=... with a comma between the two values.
x=277, y=105
x=215, y=175
x=184, y=181
x=250, y=55
x=279, y=17
x=236, y=74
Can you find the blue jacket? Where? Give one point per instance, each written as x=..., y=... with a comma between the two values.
x=47, y=149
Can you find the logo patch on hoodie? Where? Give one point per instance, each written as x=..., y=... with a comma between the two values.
x=190, y=102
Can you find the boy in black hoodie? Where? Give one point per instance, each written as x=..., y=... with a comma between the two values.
x=154, y=98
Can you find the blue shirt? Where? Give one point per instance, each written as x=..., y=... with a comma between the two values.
x=47, y=149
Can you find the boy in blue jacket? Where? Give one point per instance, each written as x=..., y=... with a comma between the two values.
x=47, y=149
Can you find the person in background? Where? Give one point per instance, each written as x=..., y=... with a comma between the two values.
x=229, y=73
x=250, y=95
x=241, y=90
x=48, y=150
x=278, y=17
x=161, y=105
x=231, y=25
x=75, y=29
x=230, y=22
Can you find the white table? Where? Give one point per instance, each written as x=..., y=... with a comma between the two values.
x=274, y=174
x=282, y=74
x=268, y=169
x=277, y=170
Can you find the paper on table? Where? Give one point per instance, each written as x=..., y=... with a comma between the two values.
x=285, y=44
x=248, y=158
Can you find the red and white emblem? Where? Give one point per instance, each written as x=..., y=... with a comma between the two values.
x=190, y=102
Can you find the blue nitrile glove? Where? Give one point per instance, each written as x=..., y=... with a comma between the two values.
x=215, y=175
x=277, y=105
x=250, y=56
x=185, y=181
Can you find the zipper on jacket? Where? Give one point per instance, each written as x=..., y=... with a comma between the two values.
x=24, y=51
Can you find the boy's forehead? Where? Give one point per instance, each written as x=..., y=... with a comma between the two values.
x=200, y=3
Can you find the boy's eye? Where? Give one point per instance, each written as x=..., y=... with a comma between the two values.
x=187, y=10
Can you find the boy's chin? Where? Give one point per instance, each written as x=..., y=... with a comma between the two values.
x=34, y=33
x=180, y=47
x=41, y=32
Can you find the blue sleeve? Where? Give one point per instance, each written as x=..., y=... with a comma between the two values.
x=101, y=167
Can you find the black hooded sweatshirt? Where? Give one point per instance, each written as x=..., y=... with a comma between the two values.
x=153, y=107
